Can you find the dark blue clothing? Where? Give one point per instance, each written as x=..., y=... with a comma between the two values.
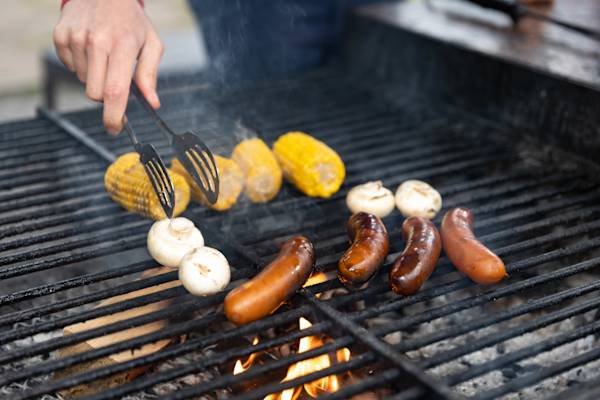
x=263, y=39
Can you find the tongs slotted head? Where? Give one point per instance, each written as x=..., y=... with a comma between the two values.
x=156, y=171
x=190, y=150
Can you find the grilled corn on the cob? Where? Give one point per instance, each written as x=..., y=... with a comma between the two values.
x=231, y=183
x=309, y=164
x=126, y=182
x=260, y=168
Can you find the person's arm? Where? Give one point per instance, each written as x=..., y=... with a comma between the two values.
x=107, y=42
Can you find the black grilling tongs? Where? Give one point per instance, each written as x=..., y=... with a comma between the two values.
x=516, y=11
x=190, y=150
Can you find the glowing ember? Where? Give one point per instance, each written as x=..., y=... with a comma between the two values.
x=327, y=384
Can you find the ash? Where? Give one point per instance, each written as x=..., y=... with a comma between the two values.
x=513, y=370
x=156, y=392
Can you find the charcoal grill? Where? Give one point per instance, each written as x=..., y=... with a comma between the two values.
x=533, y=187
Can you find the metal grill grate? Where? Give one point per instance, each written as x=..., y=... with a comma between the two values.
x=65, y=246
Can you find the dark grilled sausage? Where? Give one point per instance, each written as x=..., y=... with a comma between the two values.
x=419, y=258
x=370, y=246
x=467, y=253
x=275, y=284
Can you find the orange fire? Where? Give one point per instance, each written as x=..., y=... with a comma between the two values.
x=327, y=384
x=242, y=366
x=315, y=279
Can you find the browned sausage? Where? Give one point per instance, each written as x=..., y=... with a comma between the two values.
x=467, y=253
x=419, y=258
x=370, y=246
x=272, y=286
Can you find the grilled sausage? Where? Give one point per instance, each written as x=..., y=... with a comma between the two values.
x=370, y=246
x=275, y=284
x=419, y=258
x=467, y=253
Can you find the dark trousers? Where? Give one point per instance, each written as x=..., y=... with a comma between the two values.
x=264, y=39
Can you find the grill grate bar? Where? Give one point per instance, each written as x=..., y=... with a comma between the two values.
x=372, y=382
x=73, y=257
x=174, y=331
x=444, y=264
x=49, y=137
x=19, y=193
x=78, y=134
x=584, y=391
x=181, y=308
x=50, y=198
x=534, y=305
x=38, y=172
x=54, y=158
x=261, y=392
x=463, y=282
x=411, y=394
x=80, y=300
x=51, y=220
x=381, y=348
x=538, y=376
x=20, y=129
x=498, y=337
x=104, y=311
x=382, y=140
x=229, y=380
x=101, y=236
x=189, y=346
x=61, y=322
x=83, y=227
x=171, y=331
x=63, y=206
x=332, y=238
x=66, y=284
x=36, y=150
x=502, y=292
x=537, y=348
x=284, y=205
x=316, y=221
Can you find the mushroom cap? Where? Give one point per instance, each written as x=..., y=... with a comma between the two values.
x=171, y=239
x=416, y=198
x=372, y=198
x=204, y=271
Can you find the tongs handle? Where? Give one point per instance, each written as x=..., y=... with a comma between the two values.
x=512, y=8
x=155, y=116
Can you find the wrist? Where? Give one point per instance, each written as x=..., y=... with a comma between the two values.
x=63, y=2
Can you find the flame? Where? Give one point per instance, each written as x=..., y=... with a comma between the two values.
x=314, y=389
x=242, y=366
x=327, y=384
x=315, y=279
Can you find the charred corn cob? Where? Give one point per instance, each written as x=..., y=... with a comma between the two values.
x=261, y=171
x=126, y=182
x=231, y=183
x=309, y=164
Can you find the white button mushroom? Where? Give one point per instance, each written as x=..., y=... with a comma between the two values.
x=418, y=199
x=204, y=271
x=171, y=239
x=372, y=198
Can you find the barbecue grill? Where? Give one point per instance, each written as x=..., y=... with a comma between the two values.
x=402, y=105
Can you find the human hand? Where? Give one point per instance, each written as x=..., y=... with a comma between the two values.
x=107, y=42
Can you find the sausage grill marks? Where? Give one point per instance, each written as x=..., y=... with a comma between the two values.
x=467, y=253
x=275, y=284
x=419, y=258
x=370, y=246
